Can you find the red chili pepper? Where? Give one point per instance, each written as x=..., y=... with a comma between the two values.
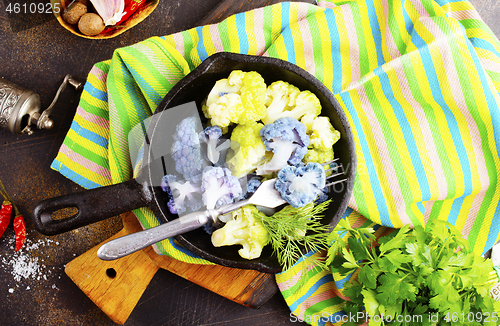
x=5, y=213
x=20, y=231
x=131, y=6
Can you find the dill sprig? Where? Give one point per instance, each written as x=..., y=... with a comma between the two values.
x=295, y=230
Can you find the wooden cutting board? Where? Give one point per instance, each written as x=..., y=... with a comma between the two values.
x=116, y=286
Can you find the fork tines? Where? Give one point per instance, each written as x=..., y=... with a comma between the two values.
x=338, y=169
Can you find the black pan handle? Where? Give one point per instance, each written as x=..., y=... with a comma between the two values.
x=93, y=206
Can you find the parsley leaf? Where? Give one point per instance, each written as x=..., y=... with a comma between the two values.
x=421, y=255
x=351, y=261
x=394, y=288
x=358, y=248
x=353, y=291
x=337, y=268
x=368, y=276
x=370, y=301
x=397, y=241
x=392, y=261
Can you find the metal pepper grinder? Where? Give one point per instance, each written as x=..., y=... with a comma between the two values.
x=20, y=108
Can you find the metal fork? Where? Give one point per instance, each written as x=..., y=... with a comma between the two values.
x=266, y=195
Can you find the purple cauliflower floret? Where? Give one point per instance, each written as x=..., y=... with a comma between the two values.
x=209, y=227
x=288, y=140
x=211, y=136
x=301, y=185
x=322, y=196
x=183, y=195
x=219, y=187
x=186, y=149
x=166, y=188
x=253, y=184
x=250, y=185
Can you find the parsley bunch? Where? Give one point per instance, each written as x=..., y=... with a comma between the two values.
x=428, y=274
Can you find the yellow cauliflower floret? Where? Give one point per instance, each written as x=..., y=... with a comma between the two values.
x=221, y=88
x=322, y=135
x=253, y=97
x=245, y=90
x=226, y=110
x=286, y=100
x=249, y=149
x=245, y=229
x=318, y=156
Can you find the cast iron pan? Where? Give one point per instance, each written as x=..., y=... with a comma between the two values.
x=144, y=191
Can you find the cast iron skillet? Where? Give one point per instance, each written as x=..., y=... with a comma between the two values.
x=144, y=191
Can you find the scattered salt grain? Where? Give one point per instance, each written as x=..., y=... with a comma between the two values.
x=24, y=267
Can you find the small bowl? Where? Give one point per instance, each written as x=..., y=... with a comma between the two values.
x=196, y=86
x=138, y=16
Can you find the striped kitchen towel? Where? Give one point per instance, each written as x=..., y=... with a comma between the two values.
x=419, y=81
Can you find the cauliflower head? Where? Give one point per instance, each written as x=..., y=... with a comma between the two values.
x=253, y=98
x=225, y=111
x=249, y=149
x=245, y=229
x=212, y=136
x=315, y=155
x=321, y=132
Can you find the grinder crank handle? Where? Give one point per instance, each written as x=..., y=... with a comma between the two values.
x=42, y=120
x=93, y=206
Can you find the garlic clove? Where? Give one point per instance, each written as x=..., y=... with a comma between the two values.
x=111, y=11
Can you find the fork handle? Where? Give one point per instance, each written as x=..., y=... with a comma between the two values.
x=231, y=207
x=126, y=245
x=131, y=243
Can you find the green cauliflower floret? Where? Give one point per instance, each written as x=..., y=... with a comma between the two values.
x=286, y=100
x=249, y=149
x=239, y=99
x=245, y=229
x=322, y=138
